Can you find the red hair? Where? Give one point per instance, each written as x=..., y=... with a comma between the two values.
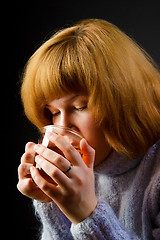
x=121, y=80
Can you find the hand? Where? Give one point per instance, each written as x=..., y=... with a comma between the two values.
x=73, y=192
x=26, y=184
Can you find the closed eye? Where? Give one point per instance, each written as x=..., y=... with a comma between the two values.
x=80, y=108
x=55, y=114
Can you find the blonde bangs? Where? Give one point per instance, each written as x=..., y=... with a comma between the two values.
x=54, y=70
x=58, y=74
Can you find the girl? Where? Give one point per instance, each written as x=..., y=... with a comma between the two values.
x=94, y=79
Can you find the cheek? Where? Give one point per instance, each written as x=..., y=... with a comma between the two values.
x=101, y=146
x=96, y=139
x=89, y=129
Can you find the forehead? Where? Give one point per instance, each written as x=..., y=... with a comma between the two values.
x=67, y=99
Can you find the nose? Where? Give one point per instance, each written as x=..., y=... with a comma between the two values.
x=66, y=120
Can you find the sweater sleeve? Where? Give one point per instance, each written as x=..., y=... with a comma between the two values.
x=102, y=224
x=151, y=205
x=55, y=225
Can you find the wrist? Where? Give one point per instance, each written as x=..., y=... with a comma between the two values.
x=85, y=213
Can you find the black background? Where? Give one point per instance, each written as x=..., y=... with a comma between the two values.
x=25, y=26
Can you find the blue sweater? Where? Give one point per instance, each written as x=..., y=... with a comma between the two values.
x=128, y=194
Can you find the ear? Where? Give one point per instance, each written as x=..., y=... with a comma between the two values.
x=88, y=153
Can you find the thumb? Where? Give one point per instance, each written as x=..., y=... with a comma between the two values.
x=88, y=153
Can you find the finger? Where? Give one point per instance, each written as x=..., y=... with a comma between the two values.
x=29, y=148
x=53, y=172
x=49, y=189
x=53, y=157
x=24, y=170
x=68, y=150
x=28, y=158
x=45, y=152
x=58, y=161
x=88, y=153
x=28, y=188
x=25, y=186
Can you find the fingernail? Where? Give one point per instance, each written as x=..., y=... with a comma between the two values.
x=49, y=134
x=37, y=147
x=38, y=157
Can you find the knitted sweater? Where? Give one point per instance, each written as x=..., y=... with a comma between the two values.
x=128, y=194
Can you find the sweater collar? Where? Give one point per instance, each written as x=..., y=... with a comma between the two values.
x=116, y=164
